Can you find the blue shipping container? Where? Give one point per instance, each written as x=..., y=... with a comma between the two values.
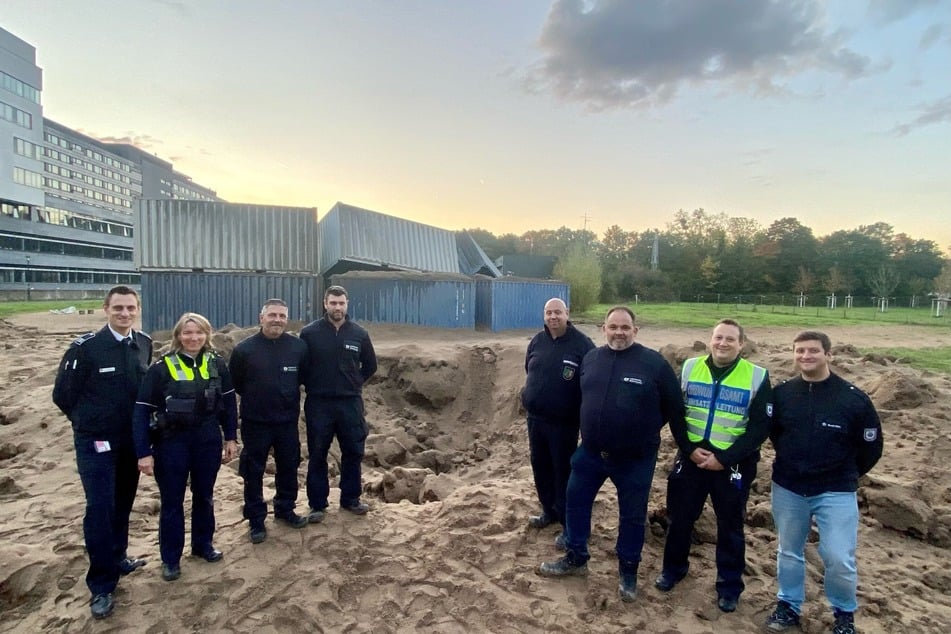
x=441, y=301
x=506, y=304
x=224, y=297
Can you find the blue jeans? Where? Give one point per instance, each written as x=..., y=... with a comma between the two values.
x=632, y=479
x=837, y=516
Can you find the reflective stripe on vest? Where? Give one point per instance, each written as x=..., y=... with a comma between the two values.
x=181, y=372
x=718, y=411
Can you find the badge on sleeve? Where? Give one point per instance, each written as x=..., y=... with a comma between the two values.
x=871, y=433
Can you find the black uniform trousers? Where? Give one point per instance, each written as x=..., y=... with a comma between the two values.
x=110, y=479
x=194, y=454
x=259, y=438
x=687, y=489
x=551, y=445
x=328, y=418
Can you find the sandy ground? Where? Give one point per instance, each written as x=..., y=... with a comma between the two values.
x=446, y=547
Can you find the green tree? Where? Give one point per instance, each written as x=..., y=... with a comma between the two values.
x=580, y=268
x=858, y=255
x=788, y=246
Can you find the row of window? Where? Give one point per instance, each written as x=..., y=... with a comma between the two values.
x=64, y=218
x=27, y=148
x=55, y=183
x=181, y=191
x=63, y=157
x=89, y=152
x=54, y=216
x=13, y=242
x=66, y=276
x=87, y=178
x=19, y=88
x=15, y=115
x=27, y=177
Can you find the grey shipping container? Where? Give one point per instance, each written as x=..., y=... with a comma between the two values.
x=353, y=238
x=224, y=297
x=506, y=303
x=215, y=236
x=439, y=300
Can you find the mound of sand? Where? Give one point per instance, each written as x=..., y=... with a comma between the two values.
x=446, y=547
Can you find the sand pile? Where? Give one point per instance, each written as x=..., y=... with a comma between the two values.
x=445, y=547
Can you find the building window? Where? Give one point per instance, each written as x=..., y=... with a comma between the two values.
x=15, y=115
x=27, y=177
x=19, y=88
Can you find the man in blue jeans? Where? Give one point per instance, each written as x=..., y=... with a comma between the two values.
x=628, y=393
x=827, y=434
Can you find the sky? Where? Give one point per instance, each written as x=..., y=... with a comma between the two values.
x=513, y=116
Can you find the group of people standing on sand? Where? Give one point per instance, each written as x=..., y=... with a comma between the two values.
x=176, y=419
x=825, y=432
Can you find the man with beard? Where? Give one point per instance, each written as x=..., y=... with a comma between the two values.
x=267, y=370
x=340, y=360
x=628, y=393
x=552, y=398
x=96, y=386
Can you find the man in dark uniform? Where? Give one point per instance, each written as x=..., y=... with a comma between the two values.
x=340, y=360
x=96, y=386
x=827, y=435
x=729, y=402
x=552, y=398
x=267, y=370
x=628, y=393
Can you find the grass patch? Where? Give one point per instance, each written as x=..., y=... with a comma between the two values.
x=935, y=359
x=15, y=308
x=697, y=315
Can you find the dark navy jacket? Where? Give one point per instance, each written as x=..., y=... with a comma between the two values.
x=267, y=374
x=553, y=383
x=626, y=398
x=826, y=435
x=97, y=382
x=339, y=361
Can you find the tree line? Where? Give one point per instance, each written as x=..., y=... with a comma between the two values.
x=701, y=253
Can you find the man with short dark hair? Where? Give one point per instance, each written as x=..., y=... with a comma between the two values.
x=340, y=360
x=827, y=435
x=96, y=386
x=728, y=403
x=628, y=393
x=552, y=399
x=267, y=370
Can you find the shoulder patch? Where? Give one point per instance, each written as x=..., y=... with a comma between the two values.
x=83, y=339
x=871, y=433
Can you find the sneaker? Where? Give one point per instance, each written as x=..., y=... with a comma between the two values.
x=293, y=520
x=102, y=605
x=561, y=543
x=666, y=581
x=627, y=587
x=782, y=618
x=727, y=603
x=357, y=508
x=316, y=516
x=540, y=521
x=257, y=534
x=171, y=572
x=844, y=623
x=562, y=568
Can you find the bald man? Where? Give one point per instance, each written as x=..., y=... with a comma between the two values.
x=552, y=398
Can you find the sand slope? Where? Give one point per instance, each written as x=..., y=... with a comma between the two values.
x=445, y=547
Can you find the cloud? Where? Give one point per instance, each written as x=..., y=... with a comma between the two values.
x=615, y=53
x=176, y=5
x=936, y=112
x=888, y=11
x=935, y=33
x=141, y=141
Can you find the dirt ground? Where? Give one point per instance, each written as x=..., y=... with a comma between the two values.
x=446, y=547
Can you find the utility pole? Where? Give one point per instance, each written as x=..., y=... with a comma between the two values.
x=586, y=218
x=26, y=276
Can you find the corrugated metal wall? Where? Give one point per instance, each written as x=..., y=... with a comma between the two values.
x=189, y=234
x=420, y=300
x=360, y=235
x=504, y=304
x=224, y=297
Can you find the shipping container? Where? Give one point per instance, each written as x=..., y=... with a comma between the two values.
x=509, y=303
x=191, y=235
x=440, y=300
x=224, y=298
x=358, y=239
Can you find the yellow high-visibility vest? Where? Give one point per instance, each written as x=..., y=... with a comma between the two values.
x=718, y=412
